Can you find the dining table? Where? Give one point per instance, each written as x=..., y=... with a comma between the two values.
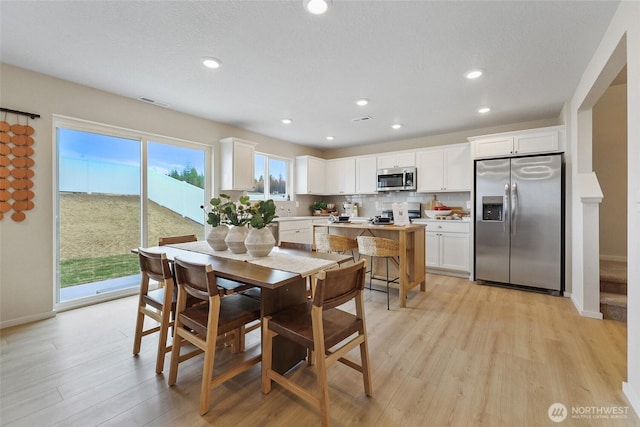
x=282, y=277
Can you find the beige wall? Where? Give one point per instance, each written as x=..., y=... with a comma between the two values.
x=26, y=248
x=610, y=165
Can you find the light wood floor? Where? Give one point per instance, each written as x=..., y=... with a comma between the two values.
x=460, y=354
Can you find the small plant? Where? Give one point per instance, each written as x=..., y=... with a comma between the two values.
x=318, y=206
x=239, y=213
x=215, y=210
x=263, y=213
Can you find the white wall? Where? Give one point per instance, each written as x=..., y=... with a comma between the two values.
x=620, y=44
x=26, y=248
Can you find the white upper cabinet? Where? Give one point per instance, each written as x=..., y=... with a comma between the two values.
x=446, y=168
x=340, y=176
x=398, y=159
x=237, y=164
x=531, y=141
x=366, y=175
x=310, y=175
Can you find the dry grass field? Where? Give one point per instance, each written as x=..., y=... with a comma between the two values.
x=95, y=225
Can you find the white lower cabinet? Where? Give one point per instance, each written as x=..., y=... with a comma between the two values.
x=447, y=247
x=299, y=230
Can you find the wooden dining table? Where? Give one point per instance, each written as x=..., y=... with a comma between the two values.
x=279, y=288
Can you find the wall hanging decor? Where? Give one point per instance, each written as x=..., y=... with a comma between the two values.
x=16, y=163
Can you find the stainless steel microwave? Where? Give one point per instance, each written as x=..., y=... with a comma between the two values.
x=396, y=179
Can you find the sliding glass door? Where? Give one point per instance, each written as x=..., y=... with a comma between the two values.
x=116, y=191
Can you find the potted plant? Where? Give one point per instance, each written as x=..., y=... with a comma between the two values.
x=260, y=240
x=237, y=215
x=318, y=207
x=216, y=219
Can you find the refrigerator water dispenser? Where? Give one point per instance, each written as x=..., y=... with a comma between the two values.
x=492, y=208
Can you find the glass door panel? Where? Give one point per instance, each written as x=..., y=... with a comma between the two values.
x=176, y=191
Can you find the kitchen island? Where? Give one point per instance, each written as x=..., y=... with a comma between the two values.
x=411, y=266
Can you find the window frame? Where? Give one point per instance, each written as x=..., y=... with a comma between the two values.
x=289, y=178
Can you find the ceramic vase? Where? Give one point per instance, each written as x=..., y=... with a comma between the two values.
x=216, y=238
x=260, y=241
x=235, y=239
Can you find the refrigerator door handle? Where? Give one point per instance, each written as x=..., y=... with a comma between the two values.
x=506, y=203
x=514, y=207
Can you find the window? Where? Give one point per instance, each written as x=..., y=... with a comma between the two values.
x=277, y=186
x=117, y=190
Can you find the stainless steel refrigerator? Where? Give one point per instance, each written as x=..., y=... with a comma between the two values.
x=519, y=222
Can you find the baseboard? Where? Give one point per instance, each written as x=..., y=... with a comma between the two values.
x=585, y=313
x=27, y=319
x=613, y=258
x=632, y=396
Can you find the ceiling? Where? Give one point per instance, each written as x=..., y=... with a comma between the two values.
x=278, y=61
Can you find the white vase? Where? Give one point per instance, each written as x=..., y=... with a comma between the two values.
x=235, y=239
x=260, y=241
x=216, y=238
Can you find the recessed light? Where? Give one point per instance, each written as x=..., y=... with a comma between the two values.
x=316, y=7
x=396, y=125
x=211, y=62
x=287, y=121
x=473, y=74
x=362, y=102
x=484, y=110
x=330, y=138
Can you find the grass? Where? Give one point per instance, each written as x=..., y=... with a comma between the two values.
x=87, y=270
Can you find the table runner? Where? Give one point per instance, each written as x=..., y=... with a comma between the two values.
x=305, y=266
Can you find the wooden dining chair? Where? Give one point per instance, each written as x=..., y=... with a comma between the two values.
x=219, y=315
x=156, y=304
x=172, y=240
x=324, y=329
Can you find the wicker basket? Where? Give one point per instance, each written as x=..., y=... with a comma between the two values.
x=378, y=246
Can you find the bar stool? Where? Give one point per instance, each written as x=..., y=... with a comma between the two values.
x=336, y=243
x=381, y=248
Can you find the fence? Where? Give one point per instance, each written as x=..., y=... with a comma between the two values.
x=91, y=176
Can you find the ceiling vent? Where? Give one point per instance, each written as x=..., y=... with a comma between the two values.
x=361, y=119
x=153, y=101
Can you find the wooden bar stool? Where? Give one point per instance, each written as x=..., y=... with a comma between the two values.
x=381, y=248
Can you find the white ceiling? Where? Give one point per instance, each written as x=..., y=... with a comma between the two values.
x=407, y=57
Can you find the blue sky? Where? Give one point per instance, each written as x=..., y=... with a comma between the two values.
x=161, y=157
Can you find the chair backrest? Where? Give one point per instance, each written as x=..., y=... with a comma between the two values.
x=377, y=246
x=170, y=240
x=334, y=243
x=339, y=285
x=154, y=265
x=198, y=280
x=322, y=242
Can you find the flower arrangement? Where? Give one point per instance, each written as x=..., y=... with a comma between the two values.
x=263, y=213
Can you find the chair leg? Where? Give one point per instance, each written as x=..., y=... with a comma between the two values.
x=366, y=369
x=370, y=272
x=175, y=353
x=137, y=340
x=162, y=341
x=267, y=346
x=387, y=283
x=207, y=372
x=323, y=390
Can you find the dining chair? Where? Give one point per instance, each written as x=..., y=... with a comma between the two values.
x=172, y=240
x=336, y=243
x=324, y=329
x=379, y=247
x=156, y=304
x=201, y=325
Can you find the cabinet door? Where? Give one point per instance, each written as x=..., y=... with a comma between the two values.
x=430, y=170
x=340, y=176
x=454, y=251
x=432, y=249
x=366, y=175
x=387, y=161
x=457, y=168
x=492, y=147
x=237, y=165
x=396, y=160
x=536, y=143
x=310, y=175
x=406, y=159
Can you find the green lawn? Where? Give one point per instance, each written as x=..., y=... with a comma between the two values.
x=86, y=270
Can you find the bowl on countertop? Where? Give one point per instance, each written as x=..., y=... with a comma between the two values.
x=435, y=213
